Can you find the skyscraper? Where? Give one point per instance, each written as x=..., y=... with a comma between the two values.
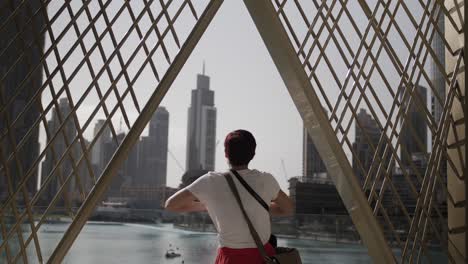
x=414, y=128
x=153, y=151
x=313, y=167
x=437, y=74
x=98, y=158
x=21, y=46
x=60, y=146
x=201, y=132
x=108, y=149
x=365, y=145
x=437, y=79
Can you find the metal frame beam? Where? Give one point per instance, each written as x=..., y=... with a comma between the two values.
x=307, y=102
x=133, y=135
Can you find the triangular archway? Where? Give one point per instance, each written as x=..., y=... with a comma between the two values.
x=299, y=57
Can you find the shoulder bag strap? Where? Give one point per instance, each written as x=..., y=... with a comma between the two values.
x=253, y=232
x=251, y=191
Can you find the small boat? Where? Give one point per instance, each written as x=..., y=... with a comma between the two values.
x=171, y=254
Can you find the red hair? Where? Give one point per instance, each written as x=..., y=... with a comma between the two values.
x=239, y=147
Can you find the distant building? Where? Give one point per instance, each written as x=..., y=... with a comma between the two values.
x=414, y=126
x=153, y=151
x=109, y=149
x=86, y=179
x=402, y=184
x=201, y=132
x=437, y=79
x=132, y=169
x=21, y=79
x=102, y=134
x=365, y=146
x=312, y=164
x=315, y=198
x=147, y=197
x=437, y=76
x=61, y=146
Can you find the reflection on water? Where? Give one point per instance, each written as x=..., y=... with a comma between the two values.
x=137, y=243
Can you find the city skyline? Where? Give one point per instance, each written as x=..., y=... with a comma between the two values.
x=247, y=85
x=312, y=164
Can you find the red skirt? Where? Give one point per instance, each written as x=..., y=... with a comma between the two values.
x=242, y=255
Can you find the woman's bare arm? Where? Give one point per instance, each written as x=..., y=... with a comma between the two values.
x=282, y=205
x=184, y=201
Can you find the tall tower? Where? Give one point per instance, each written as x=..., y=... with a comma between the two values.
x=21, y=46
x=312, y=164
x=98, y=158
x=108, y=150
x=437, y=79
x=153, y=151
x=414, y=129
x=201, y=132
x=65, y=135
x=365, y=145
x=437, y=74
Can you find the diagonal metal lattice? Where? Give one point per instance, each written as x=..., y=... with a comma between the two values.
x=66, y=66
x=381, y=82
x=371, y=66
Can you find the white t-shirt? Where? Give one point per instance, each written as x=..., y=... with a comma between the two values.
x=213, y=191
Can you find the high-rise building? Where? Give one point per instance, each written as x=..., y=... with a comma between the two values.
x=97, y=151
x=153, y=151
x=85, y=171
x=313, y=167
x=365, y=144
x=437, y=71
x=414, y=127
x=21, y=46
x=60, y=146
x=437, y=79
x=201, y=132
x=131, y=166
x=313, y=198
x=109, y=148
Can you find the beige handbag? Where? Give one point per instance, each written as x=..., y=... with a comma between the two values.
x=283, y=255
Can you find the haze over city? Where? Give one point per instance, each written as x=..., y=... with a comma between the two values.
x=249, y=94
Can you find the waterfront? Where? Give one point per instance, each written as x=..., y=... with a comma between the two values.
x=140, y=243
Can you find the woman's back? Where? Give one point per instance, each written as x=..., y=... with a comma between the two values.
x=213, y=191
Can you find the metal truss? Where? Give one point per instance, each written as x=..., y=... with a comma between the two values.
x=393, y=163
x=364, y=64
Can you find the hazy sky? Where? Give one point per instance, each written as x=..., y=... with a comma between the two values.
x=249, y=92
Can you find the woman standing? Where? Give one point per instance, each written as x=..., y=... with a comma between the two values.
x=212, y=193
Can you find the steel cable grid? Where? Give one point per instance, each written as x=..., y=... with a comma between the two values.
x=369, y=62
x=66, y=65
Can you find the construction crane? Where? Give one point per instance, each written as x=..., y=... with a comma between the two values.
x=176, y=161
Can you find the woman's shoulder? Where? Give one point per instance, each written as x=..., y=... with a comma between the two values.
x=214, y=175
x=261, y=172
